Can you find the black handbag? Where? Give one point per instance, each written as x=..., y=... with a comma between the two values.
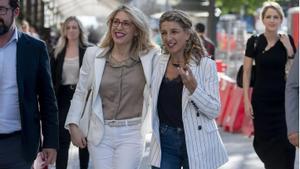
x=239, y=77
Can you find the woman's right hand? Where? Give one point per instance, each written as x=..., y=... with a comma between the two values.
x=77, y=136
x=248, y=108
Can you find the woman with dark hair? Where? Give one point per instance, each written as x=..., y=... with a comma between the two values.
x=66, y=62
x=186, y=101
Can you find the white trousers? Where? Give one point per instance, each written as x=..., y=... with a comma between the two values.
x=120, y=148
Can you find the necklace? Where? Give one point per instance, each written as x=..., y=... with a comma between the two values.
x=177, y=65
x=177, y=62
x=116, y=59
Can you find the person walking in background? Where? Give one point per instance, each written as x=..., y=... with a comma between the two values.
x=270, y=53
x=208, y=44
x=27, y=99
x=186, y=101
x=121, y=68
x=292, y=102
x=66, y=62
x=26, y=28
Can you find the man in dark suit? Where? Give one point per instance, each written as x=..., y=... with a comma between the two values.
x=27, y=97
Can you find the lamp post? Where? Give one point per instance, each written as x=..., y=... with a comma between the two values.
x=212, y=21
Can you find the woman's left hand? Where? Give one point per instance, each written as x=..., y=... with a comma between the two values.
x=285, y=41
x=188, y=78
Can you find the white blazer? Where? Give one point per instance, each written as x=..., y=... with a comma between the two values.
x=94, y=60
x=204, y=146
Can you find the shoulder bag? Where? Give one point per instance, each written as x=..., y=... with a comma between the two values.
x=239, y=78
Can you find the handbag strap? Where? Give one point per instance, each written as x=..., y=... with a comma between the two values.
x=288, y=64
x=256, y=37
x=255, y=41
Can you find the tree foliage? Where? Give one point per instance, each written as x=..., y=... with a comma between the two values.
x=235, y=6
x=249, y=6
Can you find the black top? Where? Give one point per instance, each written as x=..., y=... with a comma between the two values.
x=270, y=66
x=169, y=104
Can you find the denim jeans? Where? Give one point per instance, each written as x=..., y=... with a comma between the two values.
x=173, y=148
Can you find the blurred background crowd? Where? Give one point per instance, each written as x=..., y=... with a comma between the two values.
x=229, y=23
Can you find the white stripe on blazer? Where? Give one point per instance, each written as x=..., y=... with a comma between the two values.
x=204, y=145
x=94, y=59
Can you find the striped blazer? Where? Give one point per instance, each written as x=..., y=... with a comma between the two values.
x=204, y=145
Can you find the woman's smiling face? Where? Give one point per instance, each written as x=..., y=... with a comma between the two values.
x=122, y=29
x=174, y=37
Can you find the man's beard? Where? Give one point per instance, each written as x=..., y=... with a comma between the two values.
x=3, y=28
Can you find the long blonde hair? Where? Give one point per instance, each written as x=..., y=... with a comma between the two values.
x=142, y=42
x=62, y=41
x=194, y=46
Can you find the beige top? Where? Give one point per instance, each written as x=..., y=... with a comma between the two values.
x=70, y=72
x=121, y=89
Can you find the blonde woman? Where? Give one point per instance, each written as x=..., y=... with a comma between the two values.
x=66, y=62
x=267, y=105
x=121, y=68
x=185, y=100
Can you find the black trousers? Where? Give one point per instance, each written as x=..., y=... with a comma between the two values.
x=11, y=154
x=275, y=153
x=64, y=97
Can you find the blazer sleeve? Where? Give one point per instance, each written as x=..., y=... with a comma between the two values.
x=78, y=100
x=206, y=96
x=292, y=97
x=47, y=101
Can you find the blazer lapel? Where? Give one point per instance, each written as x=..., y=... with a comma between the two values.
x=157, y=79
x=21, y=51
x=99, y=66
x=146, y=63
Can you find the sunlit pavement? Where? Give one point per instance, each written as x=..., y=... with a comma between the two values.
x=239, y=148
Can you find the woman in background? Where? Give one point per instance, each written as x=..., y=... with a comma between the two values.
x=66, y=62
x=267, y=110
x=185, y=100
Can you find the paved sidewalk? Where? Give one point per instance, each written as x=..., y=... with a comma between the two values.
x=241, y=152
x=239, y=148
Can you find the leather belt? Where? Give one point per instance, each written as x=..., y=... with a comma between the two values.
x=8, y=135
x=123, y=123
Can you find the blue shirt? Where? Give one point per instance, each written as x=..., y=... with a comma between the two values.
x=9, y=101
